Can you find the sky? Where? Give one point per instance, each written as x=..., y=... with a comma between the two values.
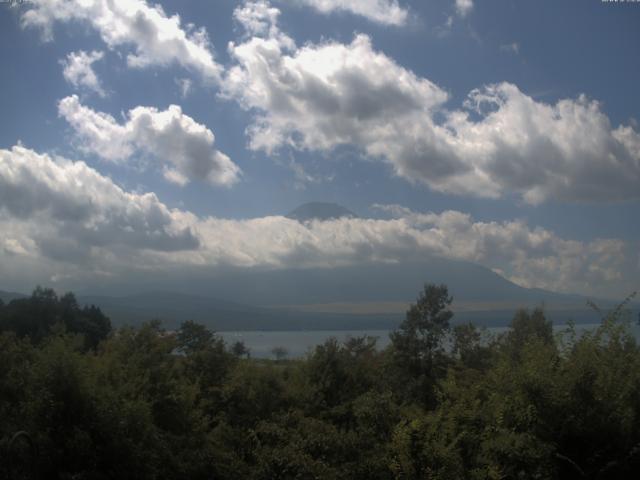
x=143, y=139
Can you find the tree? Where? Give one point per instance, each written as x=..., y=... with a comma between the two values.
x=280, y=353
x=205, y=356
x=35, y=317
x=88, y=321
x=239, y=349
x=194, y=337
x=417, y=345
x=527, y=327
x=468, y=348
x=338, y=372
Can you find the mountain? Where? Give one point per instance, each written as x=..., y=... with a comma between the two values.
x=343, y=298
x=174, y=308
x=320, y=211
x=398, y=282
x=478, y=292
x=370, y=296
x=6, y=297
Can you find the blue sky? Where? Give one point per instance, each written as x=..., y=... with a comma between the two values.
x=504, y=133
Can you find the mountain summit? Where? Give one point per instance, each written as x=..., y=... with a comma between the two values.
x=320, y=211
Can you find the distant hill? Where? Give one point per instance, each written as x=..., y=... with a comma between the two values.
x=320, y=211
x=220, y=315
x=373, y=296
x=6, y=297
x=400, y=282
x=480, y=295
x=334, y=299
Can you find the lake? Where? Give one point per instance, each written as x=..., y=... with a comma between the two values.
x=299, y=343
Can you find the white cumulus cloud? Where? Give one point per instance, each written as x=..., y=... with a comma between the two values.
x=67, y=207
x=385, y=12
x=157, y=39
x=65, y=217
x=464, y=7
x=531, y=257
x=78, y=70
x=184, y=148
x=500, y=141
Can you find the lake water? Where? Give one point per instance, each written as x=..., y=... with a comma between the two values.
x=299, y=343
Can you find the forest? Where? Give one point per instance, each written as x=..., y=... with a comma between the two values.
x=82, y=400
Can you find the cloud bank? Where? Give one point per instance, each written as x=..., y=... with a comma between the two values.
x=68, y=220
x=183, y=147
x=66, y=208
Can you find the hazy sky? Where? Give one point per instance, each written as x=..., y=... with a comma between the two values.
x=142, y=138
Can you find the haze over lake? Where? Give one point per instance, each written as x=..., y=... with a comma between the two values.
x=300, y=343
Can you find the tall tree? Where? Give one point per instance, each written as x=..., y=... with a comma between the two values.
x=418, y=343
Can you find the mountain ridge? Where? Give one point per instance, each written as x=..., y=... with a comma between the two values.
x=341, y=298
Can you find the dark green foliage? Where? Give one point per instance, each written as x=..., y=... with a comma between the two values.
x=469, y=348
x=239, y=349
x=527, y=327
x=279, y=353
x=37, y=316
x=418, y=344
x=419, y=338
x=146, y=403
